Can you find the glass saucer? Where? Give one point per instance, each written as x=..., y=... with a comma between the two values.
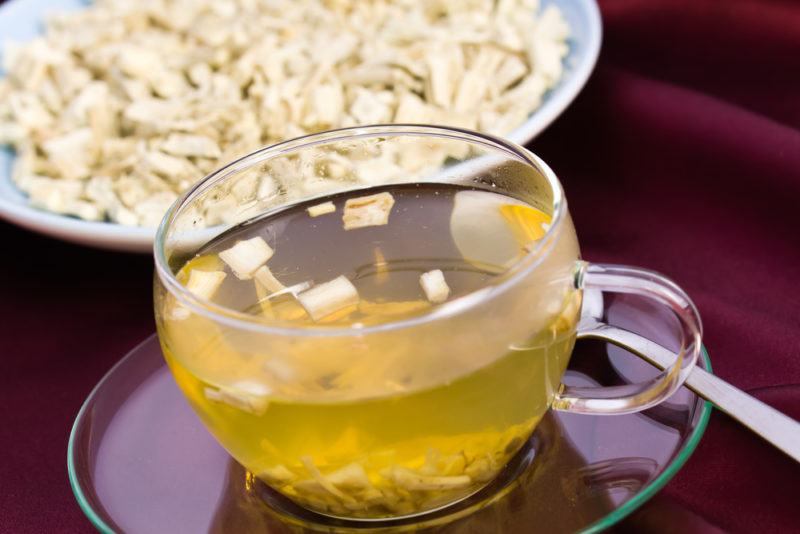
x=141, y=461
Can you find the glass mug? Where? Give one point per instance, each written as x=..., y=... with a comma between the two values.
x=478, y=372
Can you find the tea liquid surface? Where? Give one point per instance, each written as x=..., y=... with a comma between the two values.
x=385, y=262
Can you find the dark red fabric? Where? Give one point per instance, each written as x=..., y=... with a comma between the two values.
x=682, y=155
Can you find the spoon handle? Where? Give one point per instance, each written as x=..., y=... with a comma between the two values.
x=775, y=427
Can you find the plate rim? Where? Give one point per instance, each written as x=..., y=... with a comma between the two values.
x=135, y=239
x=612, y=518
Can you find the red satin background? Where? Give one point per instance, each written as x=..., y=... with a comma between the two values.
x=682, y=155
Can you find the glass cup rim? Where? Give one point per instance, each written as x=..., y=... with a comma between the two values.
x=242, y=321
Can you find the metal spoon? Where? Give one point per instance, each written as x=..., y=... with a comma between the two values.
x=775, y=427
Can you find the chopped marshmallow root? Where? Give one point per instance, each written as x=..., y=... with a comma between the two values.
x=245, y=257
x=371, y=210
x=325, y=299
x=278, y=475
x=204, y=284
x=314, y=471
x=116, y=124
x=411, y=481
x=245, y=395
x=351, y=476
x=434, y=286
x=321, y=209
x=267, y=280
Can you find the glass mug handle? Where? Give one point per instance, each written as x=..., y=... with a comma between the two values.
x=640, y=396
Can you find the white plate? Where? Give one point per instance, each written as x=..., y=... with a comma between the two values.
x=20, y=20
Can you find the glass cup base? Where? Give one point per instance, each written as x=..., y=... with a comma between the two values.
x=505, y=481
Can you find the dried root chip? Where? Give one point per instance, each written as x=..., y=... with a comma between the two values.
x=411, y=481
x=267, y=280
x=434, y=286
x=279, y=475
x=351, y=476
x=245, y=395
x=191, y=145
x=438, y=464
x=482, y=469
x=323, y=481
x=205, y=284
x=370, y=210
x=321, y=209
x=325, y=299
x=245, y=257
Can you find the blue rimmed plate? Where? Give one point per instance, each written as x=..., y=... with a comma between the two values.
x=20, y=20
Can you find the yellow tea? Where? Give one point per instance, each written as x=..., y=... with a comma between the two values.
x=385, y=430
